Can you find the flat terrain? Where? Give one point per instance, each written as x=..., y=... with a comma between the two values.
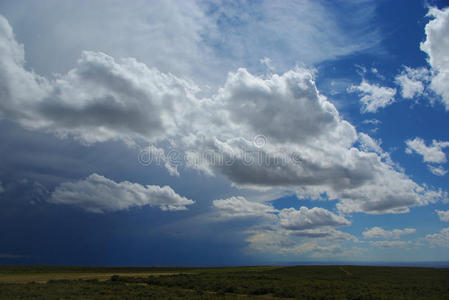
x=299, y=282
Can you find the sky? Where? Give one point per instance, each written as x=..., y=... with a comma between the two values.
x=200, y=133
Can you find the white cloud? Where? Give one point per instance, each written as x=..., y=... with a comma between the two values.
x=369, y=144
x=372, y=121
x=412, y=82
x=436, y=45
x=313, y=218
x=389, y=244
x=438, y=171
x=248, y=31
x=377, y=232
x=374, y=96
x=443, y=215
x=432, y=153
x=309, y=149
x=99, y=194
x=236, y=207
x=2, y=189
x=440, y=239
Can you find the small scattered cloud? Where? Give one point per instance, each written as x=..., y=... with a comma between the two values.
x=443, y=215
x=373, y=96
x=437, y=170
x=376, y=73
x=440, y=239
x=412, y=82
x=389, y=244
x=2, y=189
x=432, y=153
x=372, y=121
x=98, y=194
x=378, y=232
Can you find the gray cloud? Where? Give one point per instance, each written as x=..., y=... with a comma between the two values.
x=99, y=194
x=432, y=153
x=309, y=148
x=236, y=207
x=298, y=113
x=313, y=218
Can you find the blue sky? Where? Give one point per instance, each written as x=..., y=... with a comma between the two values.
x=223, y=133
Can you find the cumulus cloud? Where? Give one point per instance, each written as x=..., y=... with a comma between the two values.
x=98, y=194
x=443, y=215
x=436, y=45
x=235, y=207
x=378, y=232
x=309, y=223
x=307, y=146
x=310, y=151
x=373, y=96
x=433, y=153
x=313, y=218
x=101, y=99
x=440, y=239
x=412, y=82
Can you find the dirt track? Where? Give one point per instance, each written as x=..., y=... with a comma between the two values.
x=45, y=277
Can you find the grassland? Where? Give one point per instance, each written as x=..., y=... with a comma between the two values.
x=300, y=282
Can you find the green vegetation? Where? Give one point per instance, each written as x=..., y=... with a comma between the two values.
x=301, y=282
